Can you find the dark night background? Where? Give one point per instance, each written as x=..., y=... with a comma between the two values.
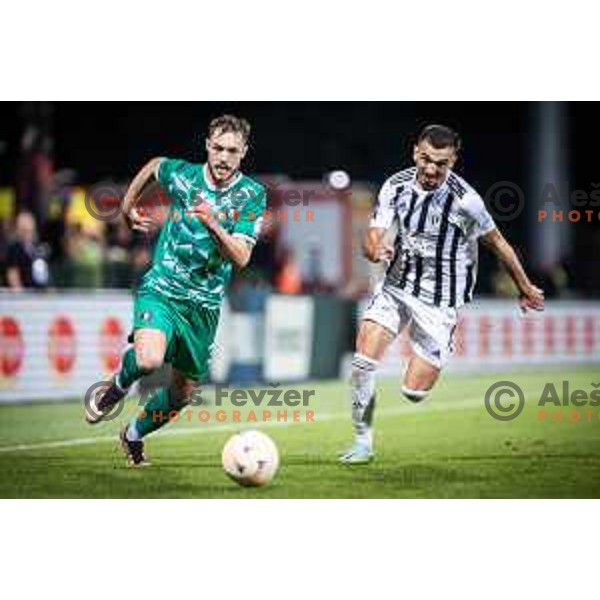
x=303, y=139
x=370, y=140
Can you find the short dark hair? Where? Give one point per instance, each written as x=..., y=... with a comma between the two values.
x=440, y=136
x=227, y=123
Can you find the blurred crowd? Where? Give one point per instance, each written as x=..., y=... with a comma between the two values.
x=70, y=255
x=58, y=252
x=46, y=249
x=42, y=246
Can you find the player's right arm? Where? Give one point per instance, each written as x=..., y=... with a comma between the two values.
x=531, y=297
x=136, y=218
x=374, y=248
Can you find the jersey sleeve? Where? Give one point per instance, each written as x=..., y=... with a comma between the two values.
x=385, y=207
x=480, y=219
x=250, y=214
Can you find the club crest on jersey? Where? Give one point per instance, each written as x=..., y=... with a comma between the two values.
x=435, y=218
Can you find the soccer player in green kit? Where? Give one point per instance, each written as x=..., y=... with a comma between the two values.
x=214, y=222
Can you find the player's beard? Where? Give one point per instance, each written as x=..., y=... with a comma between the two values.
x=221, y=173
x=429, y=184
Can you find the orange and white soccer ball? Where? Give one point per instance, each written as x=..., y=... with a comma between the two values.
x=250, y=458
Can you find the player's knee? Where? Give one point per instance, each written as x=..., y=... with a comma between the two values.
x=414, y=395
x=148, y=362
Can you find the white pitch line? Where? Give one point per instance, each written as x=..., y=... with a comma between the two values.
x=402, y=409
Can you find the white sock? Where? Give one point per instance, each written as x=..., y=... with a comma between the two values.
x=132, y=433
x=363, y=397
x=414, y=395
x=365, y=438
x=118, y=383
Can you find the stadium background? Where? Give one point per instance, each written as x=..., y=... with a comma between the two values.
x=295, y=306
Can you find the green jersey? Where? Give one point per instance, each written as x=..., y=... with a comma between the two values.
x=187, y=263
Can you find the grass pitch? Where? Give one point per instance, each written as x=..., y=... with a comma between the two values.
x=447, y=447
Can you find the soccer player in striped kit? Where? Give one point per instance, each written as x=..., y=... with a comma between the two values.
x=431, y=273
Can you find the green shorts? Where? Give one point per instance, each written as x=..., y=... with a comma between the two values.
x=190, y=331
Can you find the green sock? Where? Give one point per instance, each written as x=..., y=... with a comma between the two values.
x=160, y=408
x=130, y=372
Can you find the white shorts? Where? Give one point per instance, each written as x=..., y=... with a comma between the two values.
x=430, y=328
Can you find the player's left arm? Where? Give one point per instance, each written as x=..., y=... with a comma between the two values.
x=531, y=297
x=236, y=248
x=238, y=245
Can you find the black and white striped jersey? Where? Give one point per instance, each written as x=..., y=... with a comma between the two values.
x=436, y=244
